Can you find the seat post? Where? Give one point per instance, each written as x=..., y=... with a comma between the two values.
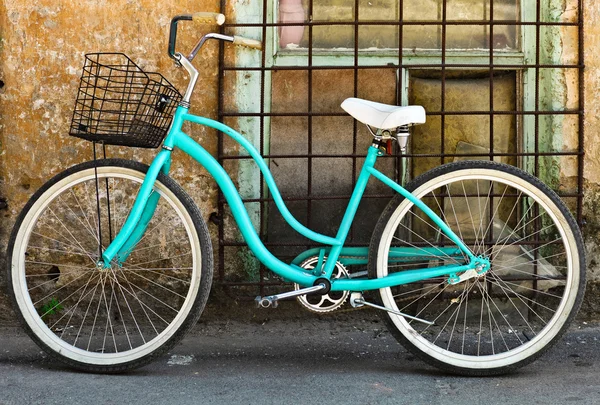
x=402, y=134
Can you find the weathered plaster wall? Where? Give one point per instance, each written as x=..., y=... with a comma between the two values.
x=43, y=44
x=592, y=138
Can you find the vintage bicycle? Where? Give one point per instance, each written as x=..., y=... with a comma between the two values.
x=477, y=267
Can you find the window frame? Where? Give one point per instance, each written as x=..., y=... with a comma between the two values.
x=413, y=59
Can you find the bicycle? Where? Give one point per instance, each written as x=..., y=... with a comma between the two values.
x=477, y=267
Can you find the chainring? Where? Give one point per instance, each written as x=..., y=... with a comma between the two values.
x=326, y=302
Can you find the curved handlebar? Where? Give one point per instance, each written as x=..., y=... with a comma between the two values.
x=208, y=18
x=202, y=17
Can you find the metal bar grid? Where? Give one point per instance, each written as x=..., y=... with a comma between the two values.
x=309, y=112
x=218, y=220
x=405, y=23
x=412, y=66
x=261, y=271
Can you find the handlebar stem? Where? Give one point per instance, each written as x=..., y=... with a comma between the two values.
x=193, y=72
x=186, y=63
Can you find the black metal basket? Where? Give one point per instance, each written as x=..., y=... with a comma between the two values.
x=120, y=104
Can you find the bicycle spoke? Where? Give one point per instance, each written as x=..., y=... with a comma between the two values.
x=141, y=303
x=109, y=320
x=86, y=314
x=174, y=243
x=59, y=289
x=73, y=309
x=521, y=297
x=471, y=216
x=533, y=290
x=73, y=238
x=156, y=271
x=121, y=288
x=132, y=293
x=84, y=225
x=45, y=249
x=430, y=302
x=100, y=295
x=163, y=258
x=61, y=242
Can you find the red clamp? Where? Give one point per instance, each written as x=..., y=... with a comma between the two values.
x=388, y=148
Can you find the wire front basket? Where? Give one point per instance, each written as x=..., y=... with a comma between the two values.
x=120, y=104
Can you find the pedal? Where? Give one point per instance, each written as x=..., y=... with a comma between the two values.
x=271, y=300
x=265, y=302
x=357, y=300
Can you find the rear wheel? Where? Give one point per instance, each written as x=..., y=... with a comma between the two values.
x=114, y=319
x=510, y=315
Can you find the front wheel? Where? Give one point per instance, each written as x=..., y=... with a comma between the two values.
x=98, y=319
x=506, y=317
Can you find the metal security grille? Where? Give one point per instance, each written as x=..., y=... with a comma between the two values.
x=532, y=114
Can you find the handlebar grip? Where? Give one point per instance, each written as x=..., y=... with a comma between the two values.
x=250, y=43
x=209, y=18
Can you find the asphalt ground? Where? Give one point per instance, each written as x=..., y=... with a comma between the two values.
x=316, y=361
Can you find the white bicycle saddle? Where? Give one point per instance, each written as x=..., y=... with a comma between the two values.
x=383, y=116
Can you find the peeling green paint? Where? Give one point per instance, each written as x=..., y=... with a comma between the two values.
x=553, y=95
x=248, y=99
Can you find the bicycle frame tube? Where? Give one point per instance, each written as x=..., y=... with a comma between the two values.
x=359, y=255
x=147, y=213
x=141, y=212
x=144, y=206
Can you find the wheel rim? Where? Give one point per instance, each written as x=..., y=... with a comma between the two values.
x=111, y=316
x=540, y=306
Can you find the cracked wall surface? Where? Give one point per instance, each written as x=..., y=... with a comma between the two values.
x=591, y=207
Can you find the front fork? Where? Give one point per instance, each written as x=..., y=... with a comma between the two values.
x=140, y=215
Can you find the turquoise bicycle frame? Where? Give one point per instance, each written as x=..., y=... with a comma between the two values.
x=147, y=200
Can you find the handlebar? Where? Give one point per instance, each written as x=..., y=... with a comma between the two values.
x=206, y=18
